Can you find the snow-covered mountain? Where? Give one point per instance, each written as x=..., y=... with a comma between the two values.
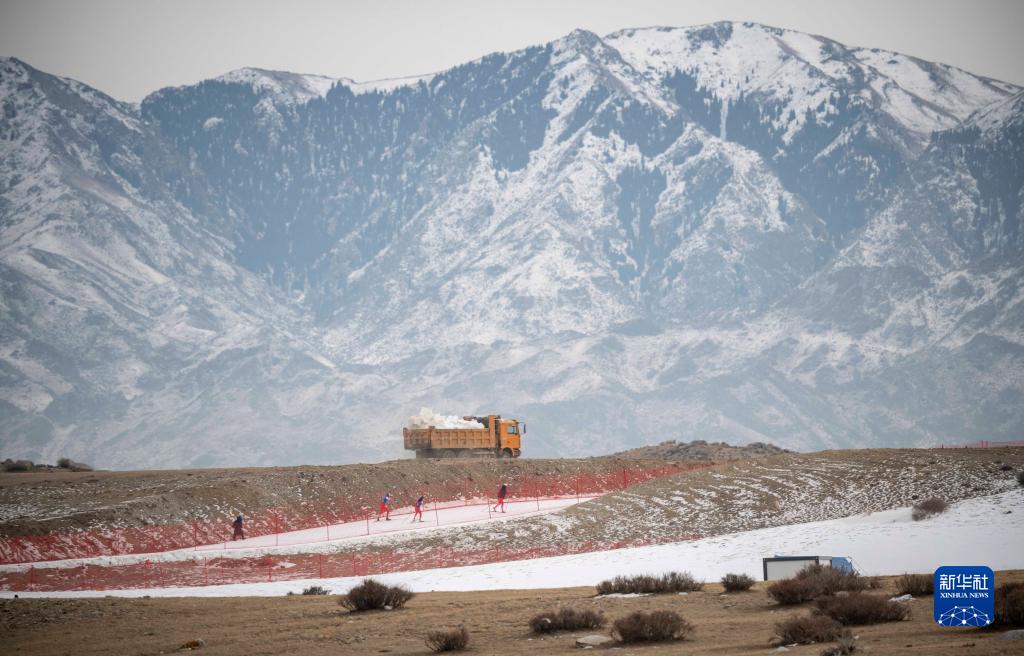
x=728, y=231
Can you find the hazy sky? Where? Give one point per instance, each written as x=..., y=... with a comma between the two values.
x=129, y=48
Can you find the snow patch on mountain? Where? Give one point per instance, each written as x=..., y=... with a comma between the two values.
x=292, y=88
x=804, y=72
x=386, y=85
x=1000, y=114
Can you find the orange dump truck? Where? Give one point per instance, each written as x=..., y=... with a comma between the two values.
x=496, y=437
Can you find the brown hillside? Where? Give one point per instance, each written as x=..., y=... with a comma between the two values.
x=702, y=450
x=746, y=495
x=38, y=502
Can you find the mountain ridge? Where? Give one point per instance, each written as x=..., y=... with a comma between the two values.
x=596, y=241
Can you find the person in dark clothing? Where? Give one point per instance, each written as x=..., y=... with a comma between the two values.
x=418, y=508
x=239, y=534
x=502, y=493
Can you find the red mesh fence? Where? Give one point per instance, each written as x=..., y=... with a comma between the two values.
x=983, y=444
x=271, y=523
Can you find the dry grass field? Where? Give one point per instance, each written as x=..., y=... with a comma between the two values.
x=726, y=624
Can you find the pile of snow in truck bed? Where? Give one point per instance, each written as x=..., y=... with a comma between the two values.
x=427, y=418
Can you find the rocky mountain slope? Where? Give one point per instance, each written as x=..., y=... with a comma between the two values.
x=726, y=232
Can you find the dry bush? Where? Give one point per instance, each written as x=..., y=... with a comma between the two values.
x=830, y=580
x=858, y=608
x=737, y=582
x=68, y=463
x=918, y=585
x=649, y=584
x=448, y=640
x=808, y=629
x=628, y=584
x=844, y=647
x=789, y=592
x=681, y=582
x=316, y=591
x=1020, y=478
x=567, y=619
x=1006, y=467
x=815, y=581
x=656, y=626
x=371, y=595
x=927, y=508
x=1009, y=600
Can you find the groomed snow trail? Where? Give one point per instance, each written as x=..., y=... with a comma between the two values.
x=323, y=539
x=978, y=531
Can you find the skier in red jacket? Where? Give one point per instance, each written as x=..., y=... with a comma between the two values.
x=418, y=508
x=502, y=493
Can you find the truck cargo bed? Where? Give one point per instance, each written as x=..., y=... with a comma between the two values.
x=448, y=438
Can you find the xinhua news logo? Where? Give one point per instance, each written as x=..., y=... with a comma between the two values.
x=963, y=596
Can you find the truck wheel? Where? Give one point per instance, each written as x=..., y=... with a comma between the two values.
x=507, y=453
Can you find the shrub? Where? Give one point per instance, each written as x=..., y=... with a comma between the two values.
x=737, y=582
x=68, y=463
x=1009, y=600
x=18, y=465
x=648, y=584
x=567, y=619
x=808, y=629
x=656, y=626
x=789, y=592
x=845, y=646
x=1020, y=478
x=859, y=608
x=927, y=508
x=448, y=640
x=1006, y=467
x=815, y=581
x=681, y=582
x=316, y=591
x=371, y=595
x=830, y=580
x=918, y=585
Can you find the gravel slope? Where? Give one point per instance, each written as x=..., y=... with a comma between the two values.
x=747, y=495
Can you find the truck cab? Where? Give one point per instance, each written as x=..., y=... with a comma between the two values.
x=507, y=434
